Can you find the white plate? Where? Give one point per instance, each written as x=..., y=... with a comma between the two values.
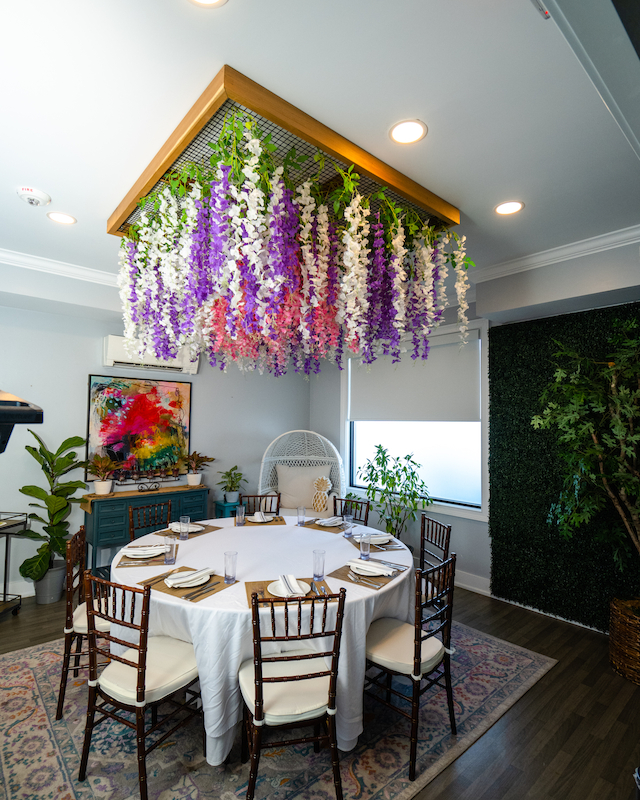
x=369, y=572
x=277, y=590
x=375, y=538
x=144, y=553
x=197, y=582
x=175, y=527
x=267, y=518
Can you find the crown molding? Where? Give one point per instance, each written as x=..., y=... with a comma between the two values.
x=585, y=247
x=61, y=268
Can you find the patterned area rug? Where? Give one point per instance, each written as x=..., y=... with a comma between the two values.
x=40, y=756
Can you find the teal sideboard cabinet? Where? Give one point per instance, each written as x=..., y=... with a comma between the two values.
x=106, y=519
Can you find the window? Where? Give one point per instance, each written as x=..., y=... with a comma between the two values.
x=435, y=409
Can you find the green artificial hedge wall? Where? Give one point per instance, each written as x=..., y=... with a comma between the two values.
x=531, y=563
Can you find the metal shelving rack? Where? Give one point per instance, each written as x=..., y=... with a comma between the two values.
x=11, y=524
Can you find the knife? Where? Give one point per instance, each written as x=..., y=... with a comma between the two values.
x=390, y=564
x=201, y=590
x=314, y=587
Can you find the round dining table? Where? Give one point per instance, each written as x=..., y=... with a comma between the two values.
x=220, y=629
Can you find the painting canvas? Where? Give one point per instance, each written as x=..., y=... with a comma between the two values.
x=141, y=424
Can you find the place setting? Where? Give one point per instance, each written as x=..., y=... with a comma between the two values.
x=288, y=586
x=186, y=529
x=193, y=585
x=257, y=518
x=138, y=555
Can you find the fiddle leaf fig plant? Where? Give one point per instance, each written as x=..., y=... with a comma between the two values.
x=55, y=501
x=395, y=489
x=593, y=408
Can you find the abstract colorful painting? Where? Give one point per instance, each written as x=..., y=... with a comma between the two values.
x=141, y=424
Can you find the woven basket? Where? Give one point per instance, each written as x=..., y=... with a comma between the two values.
x=624, y=638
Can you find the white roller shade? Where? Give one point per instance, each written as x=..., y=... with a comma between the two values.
x=445, y=387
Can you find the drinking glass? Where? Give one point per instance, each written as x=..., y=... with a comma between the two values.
x=302, y=513
x=184, y=528
x=365, y=545
x=230, y=560
x=347, y=525
x=318, y=565
x=239, y=515
x=170, y=548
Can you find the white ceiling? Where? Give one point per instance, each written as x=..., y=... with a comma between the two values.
x=91, y=90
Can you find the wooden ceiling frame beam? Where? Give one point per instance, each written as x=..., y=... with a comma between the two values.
x=231, y=85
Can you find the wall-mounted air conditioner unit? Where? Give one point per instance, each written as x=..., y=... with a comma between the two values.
x=115, y=355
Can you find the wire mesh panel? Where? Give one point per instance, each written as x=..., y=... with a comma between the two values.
x=199, y=152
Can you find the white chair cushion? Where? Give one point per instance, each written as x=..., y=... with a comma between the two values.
x=295, y=484
x=80, y=624
x=291, y=701
x=171, y=664
x=390, y=644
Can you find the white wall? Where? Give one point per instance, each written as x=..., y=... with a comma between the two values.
x=46, y=359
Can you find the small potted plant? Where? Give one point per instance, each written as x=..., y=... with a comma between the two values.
x=103, y=468
x=195, y=464
x=231, y=480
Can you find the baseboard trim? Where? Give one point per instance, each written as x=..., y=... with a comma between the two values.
x=474, y=583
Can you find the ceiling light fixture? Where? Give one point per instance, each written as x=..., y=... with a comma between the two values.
x=209, y=3
x=408, y=131
x=510, y=207
x=63, y=219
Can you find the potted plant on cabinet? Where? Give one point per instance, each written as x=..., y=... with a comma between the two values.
x=48, y=573
x=593, y=407
x=103, y=468
x=196, y=462
x=231, y=480
x=395, y=489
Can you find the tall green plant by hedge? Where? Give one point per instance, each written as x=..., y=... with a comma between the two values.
x=531, y=563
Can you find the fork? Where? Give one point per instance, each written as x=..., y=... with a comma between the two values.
x=358, y=579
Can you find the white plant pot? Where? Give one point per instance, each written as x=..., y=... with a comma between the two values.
x=49, y=589
x=102, y=487
x=232, y=497
x=194, y=478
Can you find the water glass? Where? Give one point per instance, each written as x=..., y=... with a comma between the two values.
x=170, y=549
x=230, y=561
x=239, y=515
x=302, y=513
x=184, y=528
x=365, y=545
x=347, y=525
x=318, y=565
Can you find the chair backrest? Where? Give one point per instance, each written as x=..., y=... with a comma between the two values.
x=124, y=606
x=299, y=620
x=434, y=542
x=155, y=515
x=300, y=449
x=269, y=503
x=359, y=509
x=433, y=614
x=76, y=564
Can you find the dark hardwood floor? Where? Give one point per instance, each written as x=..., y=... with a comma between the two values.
x=574, y=736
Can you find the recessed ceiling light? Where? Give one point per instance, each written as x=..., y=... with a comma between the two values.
x=63, y=219
x=408, y=131
x=510, y=207
x=210, y=3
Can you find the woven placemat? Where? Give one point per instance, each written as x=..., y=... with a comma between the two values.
x=263, y=593
x=142, y=562
x=329, y=528
x=157, y=584
x=206, y=529
x=342, y=574
x=272, y=522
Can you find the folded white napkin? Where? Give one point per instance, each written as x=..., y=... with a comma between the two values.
x=330, y=522
x=370, y=568
x=150, y=550
x=259, y=516
x=376, y=538
x=182, y=578
x=291, y=586
x=175, y=526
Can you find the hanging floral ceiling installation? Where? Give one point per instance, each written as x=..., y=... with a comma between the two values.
x=237, y=261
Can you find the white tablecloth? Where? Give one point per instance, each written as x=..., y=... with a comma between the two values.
x=220, y=626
